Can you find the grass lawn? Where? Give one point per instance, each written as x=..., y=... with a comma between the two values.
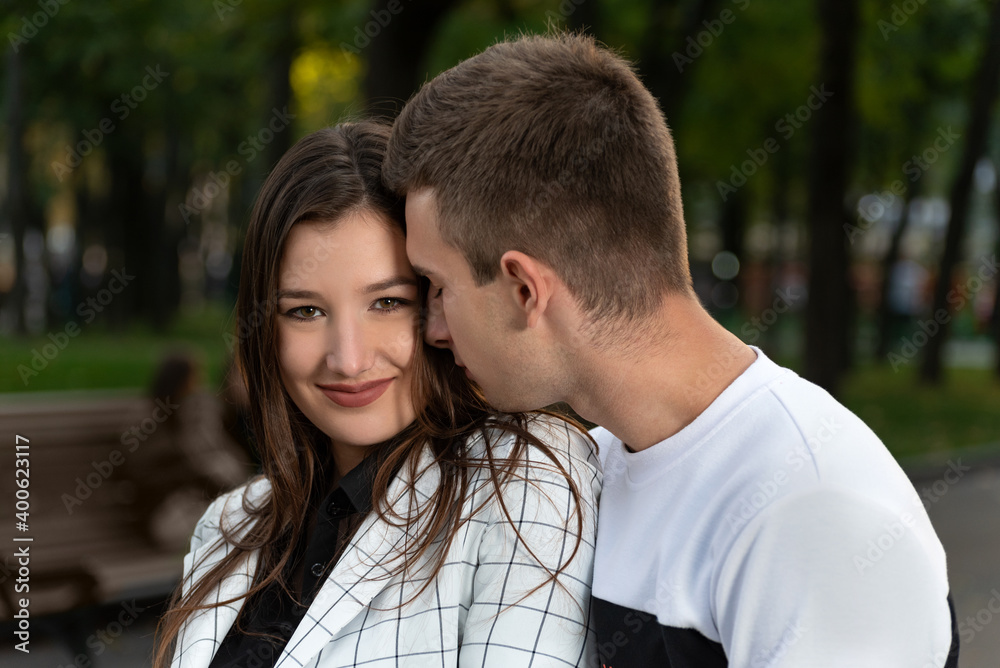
x=910, y=418
x=913, y=419
x=100, y=359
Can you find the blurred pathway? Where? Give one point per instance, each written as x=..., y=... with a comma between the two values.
x=967, y=519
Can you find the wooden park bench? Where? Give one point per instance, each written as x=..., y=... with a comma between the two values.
x=85, y=547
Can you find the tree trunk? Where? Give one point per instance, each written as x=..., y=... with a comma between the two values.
x=128, y=232
x=396, y=55
x=669, y=79
x=281, y=85
x=885, y=313
x=996, y=327
x=918, y=115
x=16, y=209
x=827, y=347
x=164, y=290
x=733, y=223
x=777, y=260
x=984, y=95
x=995, y=319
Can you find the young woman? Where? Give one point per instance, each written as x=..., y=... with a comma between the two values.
x=399, y=520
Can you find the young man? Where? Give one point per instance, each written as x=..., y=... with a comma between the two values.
x=747, y=518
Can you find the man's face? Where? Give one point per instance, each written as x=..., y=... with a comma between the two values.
x=473, y=322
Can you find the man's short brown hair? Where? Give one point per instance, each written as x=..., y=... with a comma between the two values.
x=553, y=147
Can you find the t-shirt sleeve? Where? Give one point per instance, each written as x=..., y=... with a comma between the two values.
x=831, y=578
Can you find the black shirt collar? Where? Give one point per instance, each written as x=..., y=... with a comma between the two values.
x=358, y=482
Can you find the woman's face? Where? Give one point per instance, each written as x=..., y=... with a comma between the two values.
x=347, y=306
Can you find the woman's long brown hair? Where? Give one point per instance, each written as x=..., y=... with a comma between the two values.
x=326, y=175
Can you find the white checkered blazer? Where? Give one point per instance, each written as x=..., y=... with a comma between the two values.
x=476, y=612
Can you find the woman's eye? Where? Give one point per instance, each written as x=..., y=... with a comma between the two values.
x=389, y=303
x=304, y=312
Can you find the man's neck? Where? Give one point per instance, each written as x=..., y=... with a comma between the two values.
x=663, y=382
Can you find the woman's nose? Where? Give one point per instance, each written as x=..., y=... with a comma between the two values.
x=349, y=351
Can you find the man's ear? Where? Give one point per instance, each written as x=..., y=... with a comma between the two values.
x=530, y=283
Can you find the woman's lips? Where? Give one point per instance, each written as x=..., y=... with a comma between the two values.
x=356, y=396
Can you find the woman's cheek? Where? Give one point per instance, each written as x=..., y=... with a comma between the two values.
x=402, y=347
x=299, y=353
x=285, y=351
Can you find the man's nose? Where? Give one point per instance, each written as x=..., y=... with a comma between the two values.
x=437, y=333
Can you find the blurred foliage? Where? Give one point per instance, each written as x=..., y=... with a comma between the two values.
x=913, y=419
x=758, y=69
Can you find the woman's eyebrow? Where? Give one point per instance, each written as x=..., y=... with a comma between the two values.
x=297, y=294
x=388, y=283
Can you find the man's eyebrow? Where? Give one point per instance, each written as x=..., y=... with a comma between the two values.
x=297, y=294
x=420, y=271
x=388, y=283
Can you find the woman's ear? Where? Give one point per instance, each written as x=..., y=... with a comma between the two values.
x=529, y=283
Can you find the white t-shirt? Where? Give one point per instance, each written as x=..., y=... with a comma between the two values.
x=774, y=530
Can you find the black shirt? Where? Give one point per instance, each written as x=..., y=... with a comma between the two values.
x=269, y=617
